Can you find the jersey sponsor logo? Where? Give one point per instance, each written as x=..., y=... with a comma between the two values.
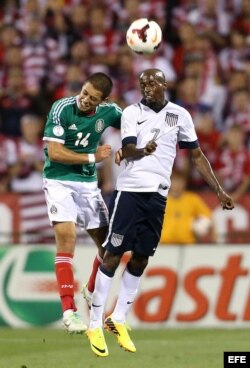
x=58, y=130
x=171, y=119
x=72, y=127
x=141, y=122
x=164, y=187
x=116, y=239
x=53, y=209
x=99, y=125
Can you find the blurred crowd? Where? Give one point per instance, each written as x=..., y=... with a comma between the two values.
x=48, y=47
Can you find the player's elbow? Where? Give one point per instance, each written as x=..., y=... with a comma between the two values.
x=54, y=153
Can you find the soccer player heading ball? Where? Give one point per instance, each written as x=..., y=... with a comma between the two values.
x=150, y=130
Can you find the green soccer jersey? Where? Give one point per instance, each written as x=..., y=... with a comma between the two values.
x=78, y=132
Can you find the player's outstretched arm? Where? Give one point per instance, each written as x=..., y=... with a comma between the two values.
x=59, y=153
x=203, y=166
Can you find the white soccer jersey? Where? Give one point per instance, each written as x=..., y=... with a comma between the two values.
x=139, y=124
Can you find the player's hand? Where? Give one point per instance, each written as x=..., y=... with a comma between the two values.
x=225, y=200
x=102, y=152
x=118, y=157
x=150, y=148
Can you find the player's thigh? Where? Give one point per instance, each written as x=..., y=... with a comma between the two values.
x=149, y=230
x=124, y=213
x=60, y=202
x=92, y=210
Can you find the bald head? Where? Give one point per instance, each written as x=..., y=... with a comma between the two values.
x=153, y=73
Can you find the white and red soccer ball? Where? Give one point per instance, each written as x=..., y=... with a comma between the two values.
x=144, y=36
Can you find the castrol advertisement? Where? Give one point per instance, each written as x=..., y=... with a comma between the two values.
x=188, y=286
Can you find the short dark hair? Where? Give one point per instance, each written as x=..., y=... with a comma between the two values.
x=102, y=82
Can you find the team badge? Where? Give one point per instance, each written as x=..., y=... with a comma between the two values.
x=116, y=239
x=171, y=119
x=53, y=209
x=58, y=130
x=99, y=125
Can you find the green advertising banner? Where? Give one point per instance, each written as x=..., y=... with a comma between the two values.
x=28, y=287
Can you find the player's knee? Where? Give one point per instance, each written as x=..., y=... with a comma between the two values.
x=98, y=235
x=110, y=262
x=137, y=264
x=101, y=252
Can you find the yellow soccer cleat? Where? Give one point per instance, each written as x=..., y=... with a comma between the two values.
x=121, y=332
x=97, y=341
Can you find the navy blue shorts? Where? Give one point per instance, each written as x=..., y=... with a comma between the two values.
x=136, y=220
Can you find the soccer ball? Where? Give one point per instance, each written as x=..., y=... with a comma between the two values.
x=144, y=36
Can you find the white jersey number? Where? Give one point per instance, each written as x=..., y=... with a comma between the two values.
x=82, y=141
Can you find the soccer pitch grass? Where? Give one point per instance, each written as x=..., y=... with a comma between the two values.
x=170, y=348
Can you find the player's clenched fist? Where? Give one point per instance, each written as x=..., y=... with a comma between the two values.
x=102, y=152
x=150, y=148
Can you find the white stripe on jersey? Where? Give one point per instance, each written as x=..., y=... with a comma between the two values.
x=52, y=139
x=59, y=108
x=111, y=104
x=167, y=127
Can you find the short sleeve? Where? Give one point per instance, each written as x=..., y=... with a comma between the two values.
x=187, y=137
x=128, y=124
x=116, y=116
x=55, y=127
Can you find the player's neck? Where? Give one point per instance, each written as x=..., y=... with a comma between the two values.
x=156, y=106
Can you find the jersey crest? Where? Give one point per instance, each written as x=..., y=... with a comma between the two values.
x=99, y=125
x=171, y=119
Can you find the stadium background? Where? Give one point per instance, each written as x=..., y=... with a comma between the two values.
x=47, y=48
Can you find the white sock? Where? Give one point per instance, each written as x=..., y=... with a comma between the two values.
x=99, y=297
x=126, y=297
